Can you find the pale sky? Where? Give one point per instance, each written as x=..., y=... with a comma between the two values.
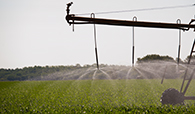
x=34, y=32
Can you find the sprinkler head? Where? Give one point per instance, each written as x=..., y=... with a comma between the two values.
x=69, y=4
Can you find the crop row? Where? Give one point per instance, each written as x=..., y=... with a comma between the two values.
x=90, y=96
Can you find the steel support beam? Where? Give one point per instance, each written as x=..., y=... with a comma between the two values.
x=72, y=19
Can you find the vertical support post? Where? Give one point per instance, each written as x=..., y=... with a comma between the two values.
x=185, y=75
x=133, y=48
x=184, y=78
x=96, y=52
x=188, y=82
x=178, y=58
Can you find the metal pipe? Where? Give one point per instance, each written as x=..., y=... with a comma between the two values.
x=178, y=58
x=133, y=56
x=178, y=54
x=96, y=58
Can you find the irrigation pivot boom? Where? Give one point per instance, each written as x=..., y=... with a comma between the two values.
x=72, y=19
x=169, y=96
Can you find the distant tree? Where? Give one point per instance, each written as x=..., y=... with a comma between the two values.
x=86, y=66
x=13, y=77
x=192, y=61
x=155, y=57
x=78, y=65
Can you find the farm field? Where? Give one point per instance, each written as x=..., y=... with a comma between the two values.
x=91, y=96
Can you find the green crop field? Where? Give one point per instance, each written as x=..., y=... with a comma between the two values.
x=91, y=96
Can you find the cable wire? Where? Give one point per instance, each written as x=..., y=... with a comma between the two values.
x=136, y=10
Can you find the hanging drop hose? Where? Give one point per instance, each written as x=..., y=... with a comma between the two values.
x=133, y=48
x=179, y=22
x=96, y=53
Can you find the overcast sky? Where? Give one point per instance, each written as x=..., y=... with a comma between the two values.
x=34, y=32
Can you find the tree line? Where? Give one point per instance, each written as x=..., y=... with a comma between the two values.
x=165, y=58
x=29, y=73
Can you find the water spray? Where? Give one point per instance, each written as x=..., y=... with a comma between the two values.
x=169, y=96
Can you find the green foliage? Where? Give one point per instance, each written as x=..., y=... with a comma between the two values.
x=40, y=72
x=193, y=57
x=155, y=57
x=34, y=73
x=192, y=60
x=90, y=96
